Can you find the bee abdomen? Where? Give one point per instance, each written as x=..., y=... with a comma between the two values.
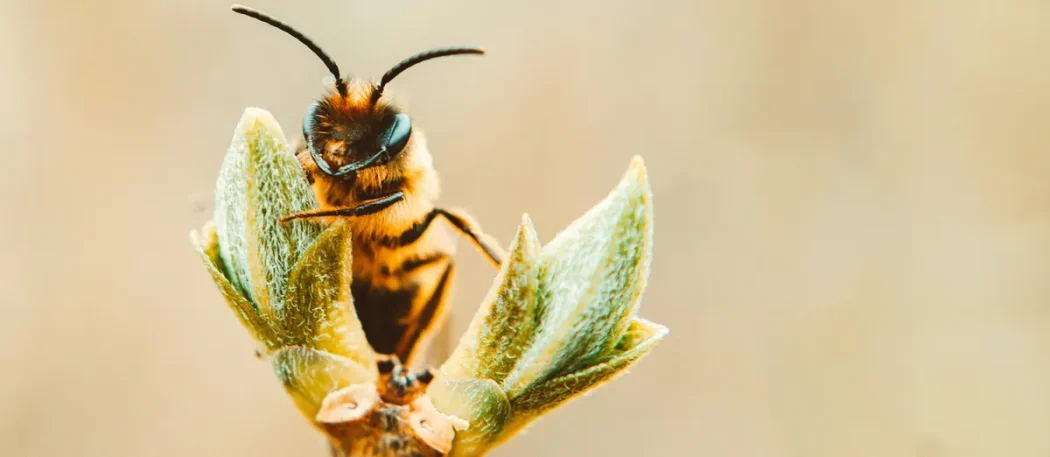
x=398, y=310
x=383, y=312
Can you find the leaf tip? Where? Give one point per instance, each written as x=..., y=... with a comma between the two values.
x=659, y=331
x=637, y=171
x=253, y=117
x=526, y=235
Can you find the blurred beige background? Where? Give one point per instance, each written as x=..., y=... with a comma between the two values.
x=853, y=215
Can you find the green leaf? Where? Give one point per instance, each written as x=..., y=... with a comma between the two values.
x=640, y=338
x=207, y=247
x=558, y=322
x=502, y=329
x=309, y=375
x=591, y=279
x=480, y=402
x=260, y=182
x=319, y=306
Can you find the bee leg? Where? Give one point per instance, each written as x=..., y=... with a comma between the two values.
x=461, y=222
x=482, y=240
x=368, y=207
x=425, y=318
x=418, y=262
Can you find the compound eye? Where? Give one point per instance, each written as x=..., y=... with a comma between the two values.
x=396, y=136
x=309, y=124
x=308, y=120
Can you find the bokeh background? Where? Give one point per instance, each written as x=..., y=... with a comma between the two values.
x=852, y=208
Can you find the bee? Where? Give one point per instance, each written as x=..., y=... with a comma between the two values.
x=365, y=160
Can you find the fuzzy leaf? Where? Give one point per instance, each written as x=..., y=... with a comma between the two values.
x=206, y=245
x=261, y=181
x=320, y=309
x=309, y=375
x=559, y=320
x=529, y=404
x=591, y=279
x=481, y=402
x=502, y=328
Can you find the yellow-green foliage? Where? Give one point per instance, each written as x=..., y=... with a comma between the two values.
x=558, y=321
x=288, y=283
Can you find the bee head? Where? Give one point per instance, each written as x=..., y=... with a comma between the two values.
x=346, y=133
x=350, y=130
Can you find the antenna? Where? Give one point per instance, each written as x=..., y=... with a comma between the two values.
x=419, y=58
x=340, y=85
